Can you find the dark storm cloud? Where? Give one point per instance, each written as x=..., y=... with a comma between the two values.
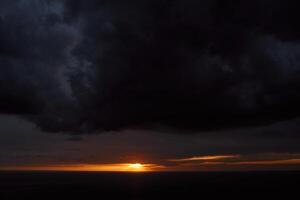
x=80, y=66
x=37, y=62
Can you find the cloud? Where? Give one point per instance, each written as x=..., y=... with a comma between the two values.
x=205, y=158
x=260, y=161
x=80, y=67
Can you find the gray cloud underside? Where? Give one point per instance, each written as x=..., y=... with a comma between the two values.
x=78, y=66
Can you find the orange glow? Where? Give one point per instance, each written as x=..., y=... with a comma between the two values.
x=197, y=163
x=119, y=167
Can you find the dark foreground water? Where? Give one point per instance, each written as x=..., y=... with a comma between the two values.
x=200, y=185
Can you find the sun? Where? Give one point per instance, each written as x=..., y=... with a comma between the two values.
x=136, y=167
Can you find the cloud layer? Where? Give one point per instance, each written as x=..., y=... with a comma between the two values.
x=78, y=66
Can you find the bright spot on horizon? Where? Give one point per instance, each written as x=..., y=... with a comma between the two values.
x=136, y=167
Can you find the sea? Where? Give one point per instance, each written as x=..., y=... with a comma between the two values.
x=155, y=185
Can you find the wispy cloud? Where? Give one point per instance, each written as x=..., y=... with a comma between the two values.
x=269, y=162
x=204, y=158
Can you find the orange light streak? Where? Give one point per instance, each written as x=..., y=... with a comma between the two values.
x=205, y=158
x=119, y=167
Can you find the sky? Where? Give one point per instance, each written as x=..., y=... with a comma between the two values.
x=176, y=85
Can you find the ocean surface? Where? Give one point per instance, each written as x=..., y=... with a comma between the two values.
x=167, y=185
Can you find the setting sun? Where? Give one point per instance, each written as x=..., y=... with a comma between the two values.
x=136, y=167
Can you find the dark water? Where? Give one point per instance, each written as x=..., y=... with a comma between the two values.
x=200, y=185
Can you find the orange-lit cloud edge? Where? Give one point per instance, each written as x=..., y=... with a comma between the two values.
x=196, y=163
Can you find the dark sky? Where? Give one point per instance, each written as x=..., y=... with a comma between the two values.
x=115, y=81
